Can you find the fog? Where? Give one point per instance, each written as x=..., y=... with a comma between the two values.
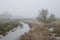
x=29, y=8
x=29, y=19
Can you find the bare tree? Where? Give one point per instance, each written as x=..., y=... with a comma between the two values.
x=43, y=15
x=52, y=18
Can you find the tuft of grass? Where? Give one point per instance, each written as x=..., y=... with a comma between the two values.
x=56, y=27
x=37, y=32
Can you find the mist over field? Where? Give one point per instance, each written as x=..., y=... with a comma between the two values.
x=29, y=19
x=29, y=8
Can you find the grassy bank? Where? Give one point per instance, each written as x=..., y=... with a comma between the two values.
x=38, y=31
x=6, y=26
x=56, y=26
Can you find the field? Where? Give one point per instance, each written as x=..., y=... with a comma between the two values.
x=39, y=31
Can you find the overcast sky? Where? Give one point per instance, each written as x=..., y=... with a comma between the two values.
x=29, y=8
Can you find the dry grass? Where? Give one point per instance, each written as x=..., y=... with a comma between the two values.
x=56, y=26
x=57, y=23
x=37, y=32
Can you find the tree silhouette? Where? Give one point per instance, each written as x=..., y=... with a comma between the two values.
x=43, y=15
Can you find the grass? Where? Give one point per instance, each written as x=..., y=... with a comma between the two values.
x=37, y=32
x=6, y=26
x=56, y=27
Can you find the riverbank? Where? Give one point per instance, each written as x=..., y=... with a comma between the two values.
x=6, y=26
x=38, y=31
x=17, y=33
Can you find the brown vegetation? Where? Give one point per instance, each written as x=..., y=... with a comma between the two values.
x=37, y=32
x=56, y=26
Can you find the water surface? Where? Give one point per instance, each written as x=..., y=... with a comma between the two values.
x=17, y=33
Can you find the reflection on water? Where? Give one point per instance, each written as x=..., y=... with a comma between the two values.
x=17, y=33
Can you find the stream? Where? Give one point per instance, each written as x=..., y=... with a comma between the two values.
x=17, y=33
